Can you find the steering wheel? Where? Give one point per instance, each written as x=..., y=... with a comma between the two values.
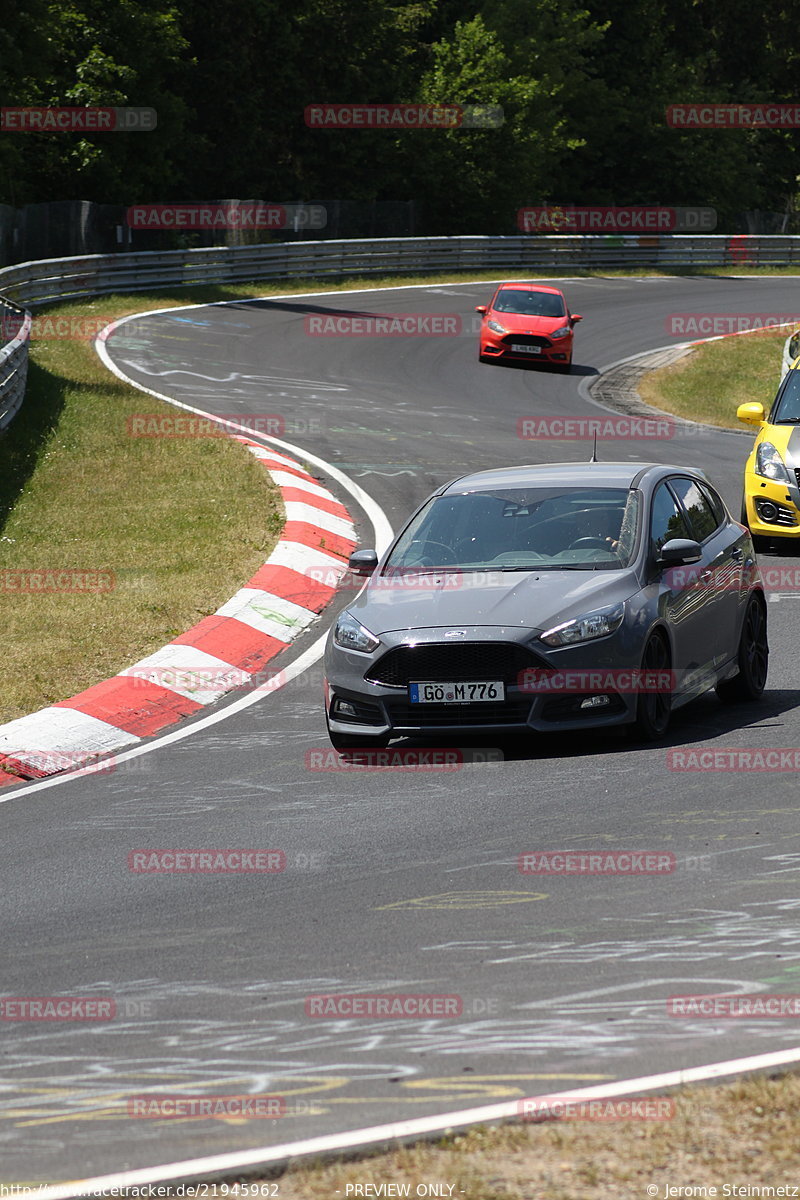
x=441, y=545
x=585, y=543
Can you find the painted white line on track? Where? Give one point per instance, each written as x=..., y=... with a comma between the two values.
x=217, y=1165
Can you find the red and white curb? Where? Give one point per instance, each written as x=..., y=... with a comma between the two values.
x=224, y=651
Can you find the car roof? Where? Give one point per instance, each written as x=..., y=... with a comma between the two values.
x=582, y=474
x=530, y=287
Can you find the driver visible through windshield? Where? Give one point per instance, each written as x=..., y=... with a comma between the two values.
x=521, y=529
x=529, y=304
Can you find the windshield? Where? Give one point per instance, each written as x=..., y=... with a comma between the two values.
x=522, y=529
x=787, y=407
x=529, y=304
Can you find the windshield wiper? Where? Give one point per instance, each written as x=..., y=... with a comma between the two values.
x=787, y=421
x=551, y=567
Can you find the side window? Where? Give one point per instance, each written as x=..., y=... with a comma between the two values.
x=717, y=507
x=698, y=509
x=794, y=346
x=666, y=519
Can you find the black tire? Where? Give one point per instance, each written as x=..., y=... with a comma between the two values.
x=564, y=368
x=484, y=358
x=653, y=709
x=753, y=657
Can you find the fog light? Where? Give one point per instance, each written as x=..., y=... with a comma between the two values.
x=344, y=708
x=767, y=511
x=595, y=702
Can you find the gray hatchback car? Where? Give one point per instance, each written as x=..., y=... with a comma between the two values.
x=549, y=598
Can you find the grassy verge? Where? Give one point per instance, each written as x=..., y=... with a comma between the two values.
x=739, y=1134
x=710, y=383
x=175, y=526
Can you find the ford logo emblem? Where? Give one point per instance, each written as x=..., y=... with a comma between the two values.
x=456, y=633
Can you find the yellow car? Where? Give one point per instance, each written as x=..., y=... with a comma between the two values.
x=771, y=500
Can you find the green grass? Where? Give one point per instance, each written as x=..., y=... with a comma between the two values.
x=711, y=382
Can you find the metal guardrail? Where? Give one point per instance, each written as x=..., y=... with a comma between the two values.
x=16, y=324
x=64, y=278
x=36, y=283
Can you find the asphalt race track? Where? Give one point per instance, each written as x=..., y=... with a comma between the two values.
x=397, y=881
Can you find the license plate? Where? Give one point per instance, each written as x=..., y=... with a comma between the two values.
x=526, y=349
x=456, y=693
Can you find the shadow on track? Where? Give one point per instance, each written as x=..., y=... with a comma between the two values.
x=700, y=723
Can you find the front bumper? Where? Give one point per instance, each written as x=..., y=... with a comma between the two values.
x=773, y=509
x=497, y=345
x=359, y=706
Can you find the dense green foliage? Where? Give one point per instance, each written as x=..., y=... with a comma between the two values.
x=583, y=84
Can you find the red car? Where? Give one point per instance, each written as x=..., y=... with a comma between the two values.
x=527, y=321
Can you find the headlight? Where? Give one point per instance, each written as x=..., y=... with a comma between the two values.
x=584, y=629
x=497, y=327
x=351, y=636
x=770, y=464
x=559, y=333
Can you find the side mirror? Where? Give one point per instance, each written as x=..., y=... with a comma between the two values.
x=481, y=308
x=751, y=414
x=575, y=317
x=679, y=552
x=363, y=562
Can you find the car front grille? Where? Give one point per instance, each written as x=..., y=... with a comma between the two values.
x=526, y=339
x=436, y=662
x=435, y=716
